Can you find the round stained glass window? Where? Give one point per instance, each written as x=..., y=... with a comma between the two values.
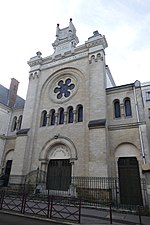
x=64, y=88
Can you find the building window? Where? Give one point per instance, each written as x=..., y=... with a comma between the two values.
x=43, y=118
x=79, y=113
x=70, y=115
x=117, y=109
x=127, y=105
x=149, y=112
x=19, y=122
x=148, y=96
x=14, y=124
x=61, y=116
x=64, y=88
x=53, y=118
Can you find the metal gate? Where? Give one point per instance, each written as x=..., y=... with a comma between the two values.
x=129, y=181
x=58, y=175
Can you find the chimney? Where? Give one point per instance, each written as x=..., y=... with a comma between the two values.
x=13, y=92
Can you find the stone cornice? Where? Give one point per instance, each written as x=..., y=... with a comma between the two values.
x=63, y=60
x=23, y=132
x=101, y=41
x=4, y=137
x=96, y=39
x=39, y=63
x=93, y=124
x=125, y=126
x=35, y=62
x=120, y=88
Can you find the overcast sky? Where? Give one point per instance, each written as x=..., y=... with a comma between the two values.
x=28, y=26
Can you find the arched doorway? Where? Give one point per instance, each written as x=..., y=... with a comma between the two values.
x=8, y=165
x=129, y=181
x=7, y=172
x=58, y=174
x=127, y=161
x=57, y=160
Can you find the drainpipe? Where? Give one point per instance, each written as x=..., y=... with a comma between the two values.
x=137, y=84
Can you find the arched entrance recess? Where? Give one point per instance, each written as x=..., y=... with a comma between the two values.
x=8, y=165
x=129, y=176
x=58, y=155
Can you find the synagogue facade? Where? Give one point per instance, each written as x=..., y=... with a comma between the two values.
x=75, y=120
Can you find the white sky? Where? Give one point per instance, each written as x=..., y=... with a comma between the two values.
x=28, y=26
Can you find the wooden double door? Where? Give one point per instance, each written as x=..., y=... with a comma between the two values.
x=58, y=174
x=129, y=181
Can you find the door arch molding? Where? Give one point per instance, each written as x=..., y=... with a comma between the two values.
x=49, y=149
x=126, y=149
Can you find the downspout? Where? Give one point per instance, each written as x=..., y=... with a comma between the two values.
x=138, y=120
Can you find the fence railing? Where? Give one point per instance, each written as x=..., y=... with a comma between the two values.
x=62, y=208
x=94, y=191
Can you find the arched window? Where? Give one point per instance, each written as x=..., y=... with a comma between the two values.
x=14, y=124
x=79, y=113
x=61, y=116
x=117, y=108
x=53, y=118
x=70, y=114
x=43, y=118
x=19, y=122
x=127, y=105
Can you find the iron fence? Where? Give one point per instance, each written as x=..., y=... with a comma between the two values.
x=93, y=191
x=61, y=208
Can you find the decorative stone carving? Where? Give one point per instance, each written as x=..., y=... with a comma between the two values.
x=95, y=40
x=66, y=39
x=59, y=152
x=34, y=75
x=95, y=58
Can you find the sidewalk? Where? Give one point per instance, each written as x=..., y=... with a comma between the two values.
x=94, y=217
x=97, y=216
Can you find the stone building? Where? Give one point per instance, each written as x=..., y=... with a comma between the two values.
x=11, y=111
x=76, y=121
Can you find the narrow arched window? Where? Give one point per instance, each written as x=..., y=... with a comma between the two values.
x=19, y=122
x=53, y=118
x=79, y=113
x=70, y=115
x=14, y=124
x=127, y=105
x=117, y=108
x=61, y=116
x=43, y=118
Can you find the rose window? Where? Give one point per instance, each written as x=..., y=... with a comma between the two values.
x=64, y=88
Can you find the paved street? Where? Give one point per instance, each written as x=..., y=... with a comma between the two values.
x=6, y=219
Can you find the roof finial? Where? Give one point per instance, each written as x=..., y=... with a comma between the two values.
x=57, y=30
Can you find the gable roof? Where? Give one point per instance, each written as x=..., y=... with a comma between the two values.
x=4, y=93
